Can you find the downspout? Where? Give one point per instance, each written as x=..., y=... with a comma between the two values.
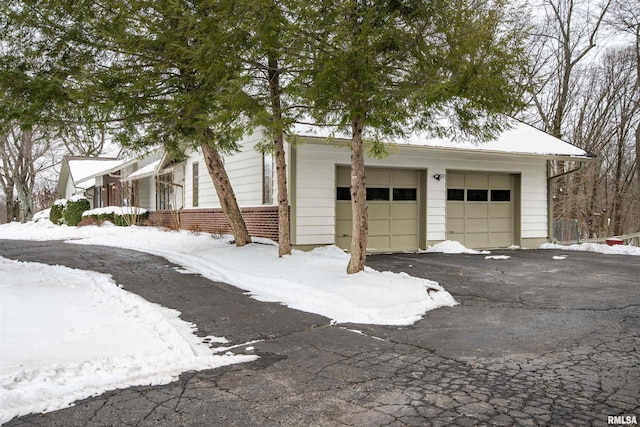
x=550, y=195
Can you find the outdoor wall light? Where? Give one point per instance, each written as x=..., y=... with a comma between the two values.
x=438, y=176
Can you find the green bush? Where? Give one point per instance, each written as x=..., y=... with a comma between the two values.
x=122, y=220
x=73, y=211
x=56, y=212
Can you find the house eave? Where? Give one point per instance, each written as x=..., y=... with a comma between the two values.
x=392, y=147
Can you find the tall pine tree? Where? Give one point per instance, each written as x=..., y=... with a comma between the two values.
x=383, y=68
x=163, y=70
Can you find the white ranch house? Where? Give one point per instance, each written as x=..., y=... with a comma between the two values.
x=427, y=190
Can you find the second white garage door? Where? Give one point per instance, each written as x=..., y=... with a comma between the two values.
x=392, y=199
x=480, y=209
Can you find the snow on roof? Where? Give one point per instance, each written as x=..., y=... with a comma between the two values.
x=148, y=170
x=520, y=139
x=82, y=170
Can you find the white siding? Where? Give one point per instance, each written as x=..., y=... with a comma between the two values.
x=245, y=173
x=315, y=187
x=147, y=193
x=69, y=189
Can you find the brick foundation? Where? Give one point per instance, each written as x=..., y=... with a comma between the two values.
x=260, y=221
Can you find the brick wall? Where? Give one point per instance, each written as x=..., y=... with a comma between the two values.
x=260, y=221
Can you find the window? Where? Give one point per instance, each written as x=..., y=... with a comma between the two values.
x=267, y=179
x=500, y=195
x=377, y=194
x=195, y=179
x=373, y=194
x=343, y=193
x=405, y=194
x=477, y=195
x=164, y=192
x=455, y=194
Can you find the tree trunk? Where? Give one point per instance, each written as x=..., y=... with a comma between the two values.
x=225, y=194
x=360, y=227
x=7, y=188
x=284, y=236
x=10, y=210
x=25, y=202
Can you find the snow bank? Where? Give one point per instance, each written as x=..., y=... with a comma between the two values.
x=116, y=210
x=596, y=247
x=314, y=282
x=453, y=247
x=42, y=215
x=70, y=334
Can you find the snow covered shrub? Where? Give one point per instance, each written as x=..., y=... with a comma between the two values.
x=73, y=211
x=55, y=215
x=117, y=215
x=42, y=215
x=131, y=216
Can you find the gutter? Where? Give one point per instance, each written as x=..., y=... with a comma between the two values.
x=394, y=148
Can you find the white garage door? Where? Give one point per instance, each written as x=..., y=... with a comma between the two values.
x=480, y=209
x=392, y=199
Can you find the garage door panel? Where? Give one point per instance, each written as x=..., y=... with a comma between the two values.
x=343, y=242
x=500, y=210
x=404, y=227
x=386, y=218
x=343, y=210
x=475, y=225
x=471, y=220
x=477, y=240
x=456, y=225
x=404, y=210
x=378, y=177
x=500, y=225
x=476, y=180
x=500, y=181
x=379, y=243
x=379, y=210
x=500, y=239
x=455, y=180
x=459, y=237
x=405, y=243
x=343, y=228
x=379, y=227
x=455, y=210
x=343, y=176
x=405, y=178
x=477, y=210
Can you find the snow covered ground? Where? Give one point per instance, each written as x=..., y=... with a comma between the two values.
x=596, y=247
x=314, y=282
x=69, y=334
x=55, y=321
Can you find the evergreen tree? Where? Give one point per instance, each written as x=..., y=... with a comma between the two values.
x=163, y=70
x=383, y=68
x=29, y=98
x=270, y=69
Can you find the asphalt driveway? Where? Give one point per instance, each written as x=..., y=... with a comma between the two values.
x=534, y=341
